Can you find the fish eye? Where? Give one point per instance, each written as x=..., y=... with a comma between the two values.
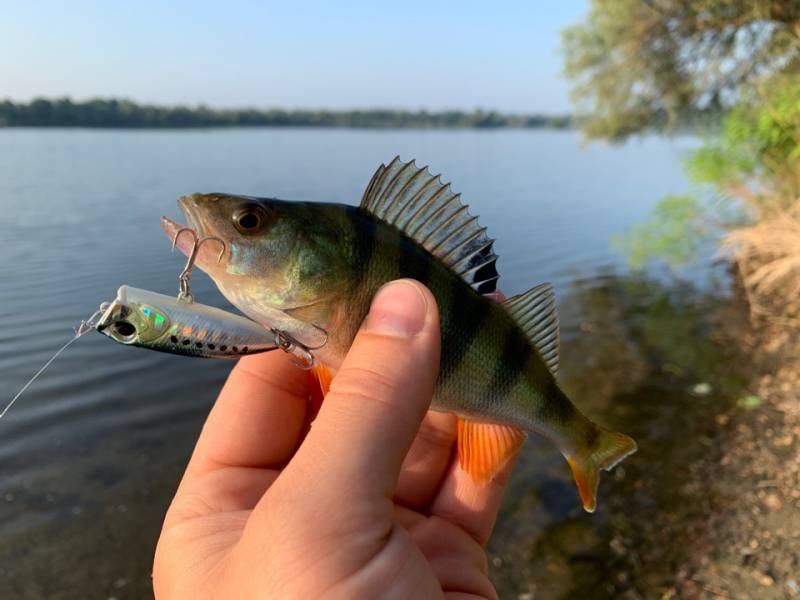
x=124, y=329
x=250, y=219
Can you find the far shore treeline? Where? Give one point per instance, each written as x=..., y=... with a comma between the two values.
x=63, y=112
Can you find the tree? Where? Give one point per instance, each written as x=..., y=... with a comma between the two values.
x=640, y=64
x=751, y=169
x=657, y=63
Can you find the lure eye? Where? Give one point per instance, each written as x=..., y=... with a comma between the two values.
x=126, y=331
x=250, y=219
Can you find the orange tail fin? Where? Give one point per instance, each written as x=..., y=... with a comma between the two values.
x=608, y=449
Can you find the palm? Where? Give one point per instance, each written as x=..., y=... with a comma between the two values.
x=243, y=513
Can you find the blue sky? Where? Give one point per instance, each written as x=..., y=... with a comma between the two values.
x=312, y=54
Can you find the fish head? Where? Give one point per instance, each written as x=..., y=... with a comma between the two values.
x=278, y=256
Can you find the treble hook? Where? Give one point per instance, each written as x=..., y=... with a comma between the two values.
x=291, y=345
x=184, y=291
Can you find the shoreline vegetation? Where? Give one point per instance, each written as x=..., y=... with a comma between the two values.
x=120, y=113
x=639, y=65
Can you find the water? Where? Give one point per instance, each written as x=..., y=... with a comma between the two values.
x=92, y=454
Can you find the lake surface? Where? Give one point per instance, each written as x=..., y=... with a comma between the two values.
x=90, y=456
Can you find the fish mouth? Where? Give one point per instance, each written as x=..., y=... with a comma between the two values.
x=184, y=243
x=209, y=255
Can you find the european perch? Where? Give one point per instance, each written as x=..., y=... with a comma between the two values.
x=312, y=268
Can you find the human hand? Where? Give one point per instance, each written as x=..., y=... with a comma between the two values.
x=370, y=504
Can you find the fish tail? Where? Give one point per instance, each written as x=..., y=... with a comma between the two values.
x=606, y=449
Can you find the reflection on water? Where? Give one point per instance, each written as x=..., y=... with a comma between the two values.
x=90, y=457
x=652, y=360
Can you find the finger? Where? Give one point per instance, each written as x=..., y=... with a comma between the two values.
x=430, y=455
x=427, y=460
x=457, y=560
x=471, y=505
x=258, y=417
x=378, y=397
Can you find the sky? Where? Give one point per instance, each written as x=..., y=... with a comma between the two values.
x=304, y=54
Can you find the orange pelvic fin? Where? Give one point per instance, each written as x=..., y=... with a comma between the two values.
x=324, y=376
x=483, y=448
x=319, y=382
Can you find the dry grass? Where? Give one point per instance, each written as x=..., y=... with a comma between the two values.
x=768, y=257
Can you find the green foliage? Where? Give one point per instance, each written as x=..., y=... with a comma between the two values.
x=63, y=112
x=756, y=156
x=639, y=64
x=753, y=164
x=756, y=137
x=674, y=234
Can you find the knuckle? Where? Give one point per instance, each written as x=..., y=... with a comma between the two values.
x=436, y=434
x=356, y=380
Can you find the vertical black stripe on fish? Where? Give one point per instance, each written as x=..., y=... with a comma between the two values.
x=556, y=405
x=466, y=314
x=364, y=232
x=517, y=351
x=591, y=435
x=415, y=262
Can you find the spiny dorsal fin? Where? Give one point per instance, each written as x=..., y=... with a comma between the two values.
x=426, y=210
x=535, y=311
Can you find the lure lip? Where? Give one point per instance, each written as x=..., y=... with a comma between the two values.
x=107, y=310
x=113, y=313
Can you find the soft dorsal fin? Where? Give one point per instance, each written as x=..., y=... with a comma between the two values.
x=535, y=311
x=426, y=210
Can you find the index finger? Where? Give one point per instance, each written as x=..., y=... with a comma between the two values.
x=258, y=418
x=471, y=505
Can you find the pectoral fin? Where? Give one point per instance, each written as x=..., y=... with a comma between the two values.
x=483, y=448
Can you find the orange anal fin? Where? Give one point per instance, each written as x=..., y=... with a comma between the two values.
x=319, y=382
x=483, y=448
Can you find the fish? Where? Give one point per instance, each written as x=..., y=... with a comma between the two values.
x=154, y=321
x=313, y=267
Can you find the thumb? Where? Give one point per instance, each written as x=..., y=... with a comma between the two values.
x=378, y=397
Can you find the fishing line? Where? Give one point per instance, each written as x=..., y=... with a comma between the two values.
x=82, y=329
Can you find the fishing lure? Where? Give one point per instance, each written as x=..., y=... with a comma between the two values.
x=179, y=325
x=182, y=326
x=155, y=321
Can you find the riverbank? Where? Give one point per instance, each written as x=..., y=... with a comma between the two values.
x=753, y=544
x=708, y=507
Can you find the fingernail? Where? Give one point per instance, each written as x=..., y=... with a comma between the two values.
x=398, y=309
